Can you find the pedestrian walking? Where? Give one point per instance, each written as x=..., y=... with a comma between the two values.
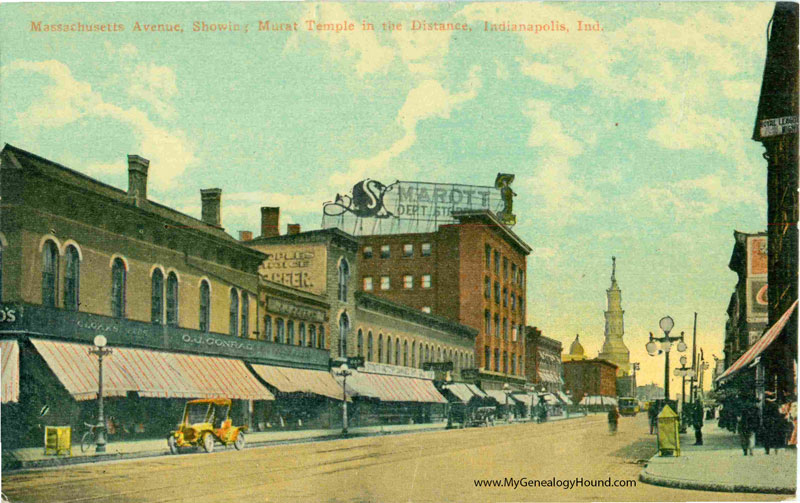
x=652, y=416
x=613, y=420
x=774, y=427
x=697, y=422
x=748, y=423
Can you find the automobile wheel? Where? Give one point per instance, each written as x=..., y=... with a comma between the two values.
x=86, y=441
x=239, y=442
x=208, y=442
x=173, y=444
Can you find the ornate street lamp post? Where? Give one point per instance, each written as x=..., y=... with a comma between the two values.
x=683, y=372
x=100, y=351
x=448, y=379
x=343, y=372
x=508, y=412
x=665, y=343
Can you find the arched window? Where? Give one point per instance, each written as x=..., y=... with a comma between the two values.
x=388, y=349
x=312, y=336
x=380, y=348
x=301, y=336
x=360, y=343
x=414, y=354
x=157, y=297
x=49, y=274
x=281, y=329
x=344, y=278
x=405, y=353
x=397, y=351
x=439, y=354
x=234, y=314
x=369, y=346
x=427, y=353
x=289, y=332
x=245, y=315
x=322, y=337
x=344, y=327
x=72, y=278
x=205, y=306
x=172, y=299
x=268, y=328
x=118, y=275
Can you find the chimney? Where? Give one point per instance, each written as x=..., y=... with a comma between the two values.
x=270, y=218
x=245, y=236
x=137, y=178
x=212, y=201
x=292, y=229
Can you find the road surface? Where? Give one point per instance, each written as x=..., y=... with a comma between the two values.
x=437, y=466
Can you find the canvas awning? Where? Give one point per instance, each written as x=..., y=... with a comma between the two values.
x=549, y=376
x=551, y=399
x=292, y=380
x=526, y=398
x=500, y=396
x=563, y=396
x=9, y=352
x=392, y=388
x=153, y=374
x=760, y=345
x=461, y=391
x=598, y=400
x=478, y=392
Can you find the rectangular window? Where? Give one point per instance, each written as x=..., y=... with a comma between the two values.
x=367, y=252
x=487, y=283
x=426, y=281
x=488, y=257
x=426, y=309
x=367, y=283
x=505, y=268
x=513, y=301
x=385, y=284
x=514, y=273
x=487, y=355
x=497, y=262
x=487, y=322
x=505, y=328
x=505, y=297
x=426, y=249
x=497, y=360
x=496, y=292
x=497, y=325
x=408, y=281
x=385, y=251
x=408, y=250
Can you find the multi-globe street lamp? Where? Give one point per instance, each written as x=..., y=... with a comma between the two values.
x=100, y=351
x=683, y=372
x=344, y=372
x=665, y=344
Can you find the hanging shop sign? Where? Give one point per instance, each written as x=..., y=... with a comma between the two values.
x=777, y=127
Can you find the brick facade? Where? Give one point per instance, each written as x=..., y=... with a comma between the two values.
x=590, y=378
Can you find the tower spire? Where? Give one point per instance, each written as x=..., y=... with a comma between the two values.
x=613, y=269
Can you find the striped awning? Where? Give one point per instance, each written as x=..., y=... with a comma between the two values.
x=760, y=345
x=292, y=380
x=9, y=352
x=392, y=388
x=153, y=374
x=549, y=376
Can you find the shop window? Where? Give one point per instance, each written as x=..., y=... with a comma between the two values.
x=360, y=343
x=280, y=327
x=205, y=306
x=301, y=334
x=233, y=328
x=268, y=328
x=72, y=276
x=49, y=274
x=344, y=328
x=367, y=252
x=322, y=337
x=369, y=347
x=245, y=315
x=426, y=281
x=344, y=278
x=385, y=253
x=290, y=332
x=408, y=250
x=312, y=336
x=426, y=249
x=367, y=283
x=408, y=281
x=118, y=276
x=172, y=299
x=157, y=297
x=385, y=284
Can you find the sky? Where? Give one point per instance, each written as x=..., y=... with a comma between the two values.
x=631, y=140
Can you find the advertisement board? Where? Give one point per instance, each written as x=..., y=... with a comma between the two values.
x=757, y=255
x=298, y=266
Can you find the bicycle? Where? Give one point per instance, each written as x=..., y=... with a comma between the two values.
x=89, y=438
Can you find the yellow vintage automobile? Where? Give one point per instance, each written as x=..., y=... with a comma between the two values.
x=206, y=422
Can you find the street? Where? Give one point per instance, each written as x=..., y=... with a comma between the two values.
x=432, y=466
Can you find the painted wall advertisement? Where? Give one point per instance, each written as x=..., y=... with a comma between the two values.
x=298, y=266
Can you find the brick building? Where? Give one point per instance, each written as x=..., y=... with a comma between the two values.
x=472, y=272
x=590, y=378
x=543, y=360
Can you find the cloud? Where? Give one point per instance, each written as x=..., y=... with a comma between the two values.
x=155, y=85
x=65, y=100
x=427, y=100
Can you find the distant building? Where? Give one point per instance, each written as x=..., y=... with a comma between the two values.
x=649, y=392
x=543, y=360
x=576, y=351
x=590, y=378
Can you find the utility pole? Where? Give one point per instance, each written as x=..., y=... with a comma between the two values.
x=694, y=359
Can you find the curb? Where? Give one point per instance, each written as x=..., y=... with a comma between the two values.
x=710, y=486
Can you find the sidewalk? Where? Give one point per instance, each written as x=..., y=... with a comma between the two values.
x=719, y=465
x=33, y=457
